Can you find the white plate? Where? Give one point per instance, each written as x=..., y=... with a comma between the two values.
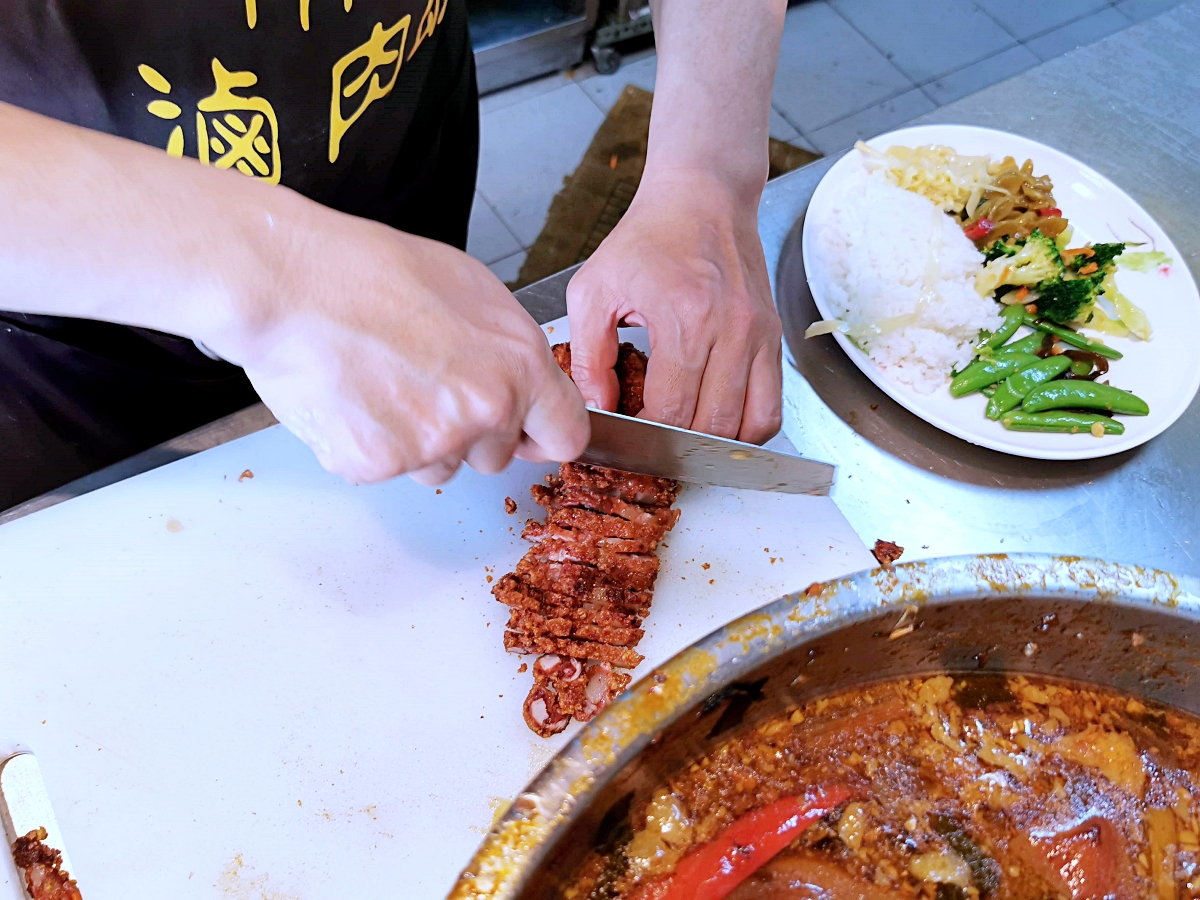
x=1164, y=371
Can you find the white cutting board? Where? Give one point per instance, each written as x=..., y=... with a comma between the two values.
x=287, y=687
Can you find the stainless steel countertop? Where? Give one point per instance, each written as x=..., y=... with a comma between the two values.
x=1128, y=106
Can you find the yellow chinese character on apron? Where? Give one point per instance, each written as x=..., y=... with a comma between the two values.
x=238, y=132
x=369, y=83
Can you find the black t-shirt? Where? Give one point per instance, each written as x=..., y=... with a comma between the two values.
x=366, y=106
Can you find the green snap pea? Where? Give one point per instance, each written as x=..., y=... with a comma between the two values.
x=1062, y=422
x=1028, y=344
x=983, y=372
x=1074, y=338
x=988, y=391
x=1084, y=395
x=1081, y=367
x=1013, y=389
x=1014, y=318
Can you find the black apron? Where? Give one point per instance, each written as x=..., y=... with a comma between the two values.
x=367, y=106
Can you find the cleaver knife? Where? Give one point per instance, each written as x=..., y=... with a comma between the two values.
x=650, y=448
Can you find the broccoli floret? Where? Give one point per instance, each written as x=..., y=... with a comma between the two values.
x=998, y=249
x=1103, y=255
x=1062, y=299
x=1036, y=261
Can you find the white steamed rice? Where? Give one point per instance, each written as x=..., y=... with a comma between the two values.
x=900, y=276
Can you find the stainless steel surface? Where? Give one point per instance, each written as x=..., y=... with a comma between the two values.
x=25, y=805
x=516, y=41
x=975, y=614
x=1128, y=107
x=638, y=445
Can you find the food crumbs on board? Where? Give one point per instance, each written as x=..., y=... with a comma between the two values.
x=510, y=506
x=524, y=668
x=705, y=566
x=245, y=474
x=549, y=329
x=174, y=525
x=711, y=580
x=887, y=553
x=439, y=490
x=298, y=803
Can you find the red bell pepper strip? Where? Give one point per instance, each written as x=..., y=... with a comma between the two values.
x=979, y=229
x=711, y=871
x=1050, y=211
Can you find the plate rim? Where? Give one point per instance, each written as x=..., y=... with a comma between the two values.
x=898, y=393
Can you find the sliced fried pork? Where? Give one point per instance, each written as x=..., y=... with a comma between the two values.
x=622, y=657
x=536, y=531
x=557, y=495
x=578, y=595
x=645, y=490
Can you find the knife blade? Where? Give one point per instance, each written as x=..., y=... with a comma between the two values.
x=650, y=448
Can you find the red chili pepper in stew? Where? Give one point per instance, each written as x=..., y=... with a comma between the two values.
x=1050, y=211
x=979, y=229
x=713, y=870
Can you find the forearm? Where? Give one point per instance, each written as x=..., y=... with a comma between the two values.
x=716, y=65
x=95, y=226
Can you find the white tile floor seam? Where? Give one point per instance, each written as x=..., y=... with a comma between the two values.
x=847, y=69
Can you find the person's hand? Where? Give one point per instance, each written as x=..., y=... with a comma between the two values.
x=391, y=354
x=685, y=262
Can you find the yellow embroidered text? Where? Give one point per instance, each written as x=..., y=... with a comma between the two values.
x=164, y=109
x=369, y=83
x=245, y=133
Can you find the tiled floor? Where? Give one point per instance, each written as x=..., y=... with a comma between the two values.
x=847, y=69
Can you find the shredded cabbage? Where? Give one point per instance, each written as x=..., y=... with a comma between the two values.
x=1131, y=315
x=1143, y=262
x=825, y=326
x=1094, y=318
x=953, y=182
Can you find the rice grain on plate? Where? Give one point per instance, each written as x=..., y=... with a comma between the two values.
x=901, y=278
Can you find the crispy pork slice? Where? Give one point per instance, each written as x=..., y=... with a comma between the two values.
x=42, y=865
x=536, y=532
x=558, y=495
x=604, y=526
x=623, y=606
x=622, y=657
x=645, y=490
x=529, y=622
x=630, y=570
x=630, y=369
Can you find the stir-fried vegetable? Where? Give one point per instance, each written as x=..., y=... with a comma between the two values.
x=1036, y=260
x=711, y=871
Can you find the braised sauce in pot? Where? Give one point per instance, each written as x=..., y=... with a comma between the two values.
x=941, y=788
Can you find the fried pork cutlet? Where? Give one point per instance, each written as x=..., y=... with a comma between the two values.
x=580, y=592
x=42, y=866
x=631, y=374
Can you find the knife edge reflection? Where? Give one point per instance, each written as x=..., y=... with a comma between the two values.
x=651, y=448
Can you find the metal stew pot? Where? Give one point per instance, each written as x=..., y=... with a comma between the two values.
x=1132, y=629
